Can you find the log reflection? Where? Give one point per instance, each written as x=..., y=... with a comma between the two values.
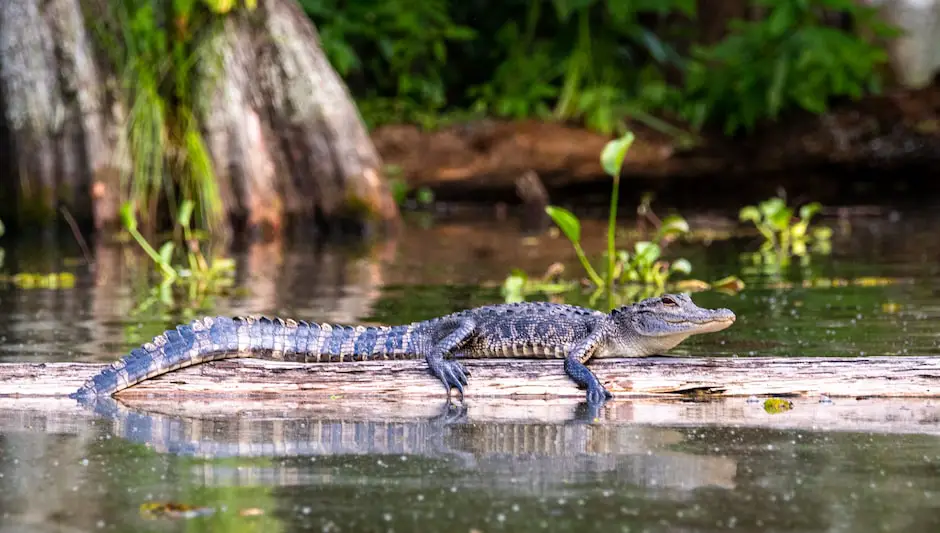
x=545, y=453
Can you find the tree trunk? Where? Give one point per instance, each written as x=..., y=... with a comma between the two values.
x=283, y=135
x=714, y=16
x=57, y=138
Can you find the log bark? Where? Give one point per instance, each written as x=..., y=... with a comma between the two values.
x=283, y=134
x=516, y=378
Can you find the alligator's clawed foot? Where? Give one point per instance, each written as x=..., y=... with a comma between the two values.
x=596, y=393
x=453, y=374
x=597, y=396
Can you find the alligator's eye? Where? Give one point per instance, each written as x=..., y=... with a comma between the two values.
x=669, y=302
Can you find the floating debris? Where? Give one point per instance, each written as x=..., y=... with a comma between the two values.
x=777, y=405
x=154, y=510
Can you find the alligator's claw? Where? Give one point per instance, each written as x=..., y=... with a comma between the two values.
x=597, y=394
x=453, y=375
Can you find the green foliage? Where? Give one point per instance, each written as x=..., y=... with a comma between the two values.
x=641, y=274
x=393, y=53
x=587, y=60
x=182, y=264
x=785, y=235
x=403, y=193
x=583, y=60
x=598, y=62
x=35, y=280
x=789, y=59
x=775, y=406
x=220, y=7
x=162, y=67
x=518, y=284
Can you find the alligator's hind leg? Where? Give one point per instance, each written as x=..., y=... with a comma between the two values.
x=449, y=371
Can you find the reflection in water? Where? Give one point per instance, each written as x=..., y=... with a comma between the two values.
x=357, y=470
x=545, y=453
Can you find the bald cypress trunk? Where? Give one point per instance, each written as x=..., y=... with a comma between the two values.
x=283, y=135
x=56, y=136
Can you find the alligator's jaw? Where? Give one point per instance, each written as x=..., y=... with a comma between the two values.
x=720, y=319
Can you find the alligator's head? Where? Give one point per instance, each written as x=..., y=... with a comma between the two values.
x=656, y=325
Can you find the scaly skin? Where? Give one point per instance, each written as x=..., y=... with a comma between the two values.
x=519, y=330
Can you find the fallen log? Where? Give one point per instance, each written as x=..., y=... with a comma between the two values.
x=507, y=378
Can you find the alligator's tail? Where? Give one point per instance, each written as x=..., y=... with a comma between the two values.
x=213, y=338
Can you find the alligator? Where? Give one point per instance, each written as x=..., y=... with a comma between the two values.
x=513, y=330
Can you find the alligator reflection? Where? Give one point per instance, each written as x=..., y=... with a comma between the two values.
x=543, y=453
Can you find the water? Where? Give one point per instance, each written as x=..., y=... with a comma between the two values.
x=373, y=465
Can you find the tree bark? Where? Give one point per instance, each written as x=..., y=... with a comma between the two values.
x=284, y=136
x=714, y=16
x=56, y=137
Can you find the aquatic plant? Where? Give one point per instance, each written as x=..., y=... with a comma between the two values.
x=193, y=272
x=639, y=274
x=775, y=406
x=786, y=235
x=162, y=66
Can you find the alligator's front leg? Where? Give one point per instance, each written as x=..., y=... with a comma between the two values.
x=582, y=375
x=450, y=372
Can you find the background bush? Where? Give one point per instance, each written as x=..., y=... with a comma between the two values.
x=598, y=62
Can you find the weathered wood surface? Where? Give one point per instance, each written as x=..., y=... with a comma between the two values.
x=517, y=378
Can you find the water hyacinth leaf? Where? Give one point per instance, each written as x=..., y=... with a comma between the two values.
x=772, y=207
x=749, y=213
x=681, y=265
x=623, y=256
x=729, y=283
x=799, y=248
x=566, y=221
x=647, y=252
x=672, y=225
x=822, y=233
x=690, y=285
x=777, y=405
x=809, y=210
x=614, y=153
x=780, y=219
x=798, y=230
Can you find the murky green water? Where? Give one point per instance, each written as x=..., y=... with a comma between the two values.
x=375, y=466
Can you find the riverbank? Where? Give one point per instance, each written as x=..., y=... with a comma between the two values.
x=876, y=147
